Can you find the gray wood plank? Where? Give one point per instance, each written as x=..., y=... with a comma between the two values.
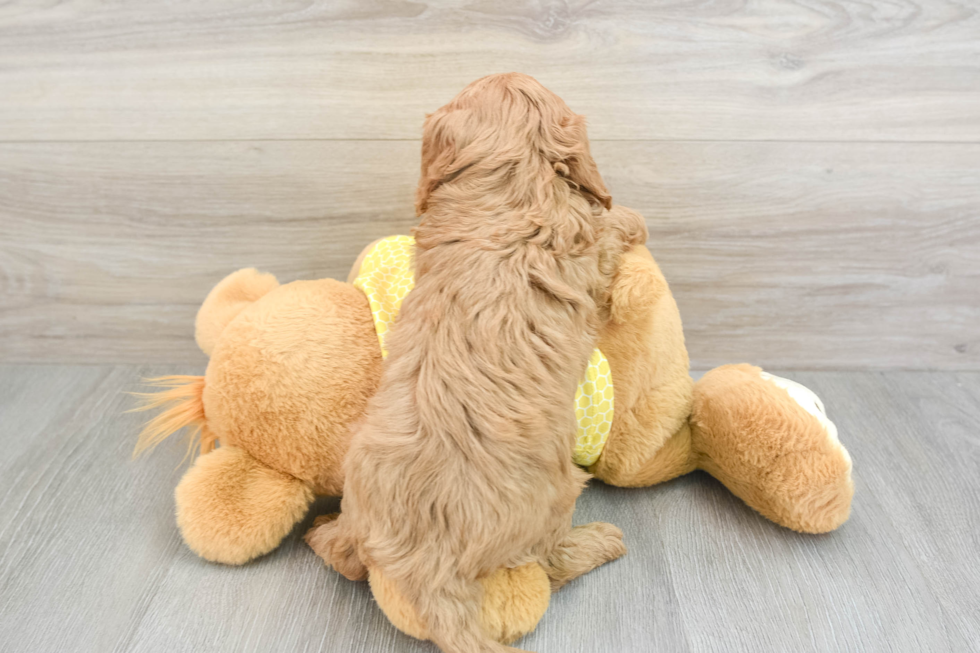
x=791, y=255
x=900, y=575
x=83, y=534
x=970, y=384
x=224, y=70
x=90, y=559
x=814, y=256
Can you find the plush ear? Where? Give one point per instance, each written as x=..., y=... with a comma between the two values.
x=576, y=162
x=438, y=153
x=231, y=296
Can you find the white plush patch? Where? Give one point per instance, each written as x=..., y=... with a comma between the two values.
x=811, y=403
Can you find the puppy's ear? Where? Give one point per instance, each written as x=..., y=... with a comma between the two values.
x=438, y=153
x=577, y=163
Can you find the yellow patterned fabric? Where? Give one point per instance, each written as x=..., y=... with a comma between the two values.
x=386, y=277
x=594, y=410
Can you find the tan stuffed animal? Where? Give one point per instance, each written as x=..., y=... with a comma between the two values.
x=293, y=366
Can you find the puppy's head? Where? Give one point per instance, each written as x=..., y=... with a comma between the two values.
x=502, y=122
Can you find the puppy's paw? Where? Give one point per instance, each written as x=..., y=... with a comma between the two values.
x=329, y=539
x=636, y=287
x=321, y=520
x=583, y=549
x=630, y=226
x=605, y=540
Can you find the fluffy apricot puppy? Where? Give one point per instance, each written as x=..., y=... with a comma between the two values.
x=464, y=462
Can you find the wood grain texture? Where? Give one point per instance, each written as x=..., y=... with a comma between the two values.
x=778, y=69
x=90, y=559
x=790, y=255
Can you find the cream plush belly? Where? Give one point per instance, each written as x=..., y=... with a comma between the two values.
x=386, y=277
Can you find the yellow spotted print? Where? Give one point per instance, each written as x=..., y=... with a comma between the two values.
x=593, y=410
x=386, y=277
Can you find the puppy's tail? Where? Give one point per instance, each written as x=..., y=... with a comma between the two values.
x=183, y=405
x=451, y=610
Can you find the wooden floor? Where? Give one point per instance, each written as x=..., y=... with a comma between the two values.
x=810, y=171
x=90, y=558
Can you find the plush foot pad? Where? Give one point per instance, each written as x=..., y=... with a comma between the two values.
x=811, y=403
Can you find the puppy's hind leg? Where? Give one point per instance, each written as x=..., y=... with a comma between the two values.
x=330, y=539
x=583, y=549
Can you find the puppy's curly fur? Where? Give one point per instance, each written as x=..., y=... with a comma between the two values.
x=463, y=464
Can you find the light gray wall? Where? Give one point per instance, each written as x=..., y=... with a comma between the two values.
x=810, y=175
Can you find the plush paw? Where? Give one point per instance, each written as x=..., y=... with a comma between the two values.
x=769, y=441
x=231, y=508
x=514, y=600
x=811, y=403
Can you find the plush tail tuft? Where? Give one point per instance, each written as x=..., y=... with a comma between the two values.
x=182, y=395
